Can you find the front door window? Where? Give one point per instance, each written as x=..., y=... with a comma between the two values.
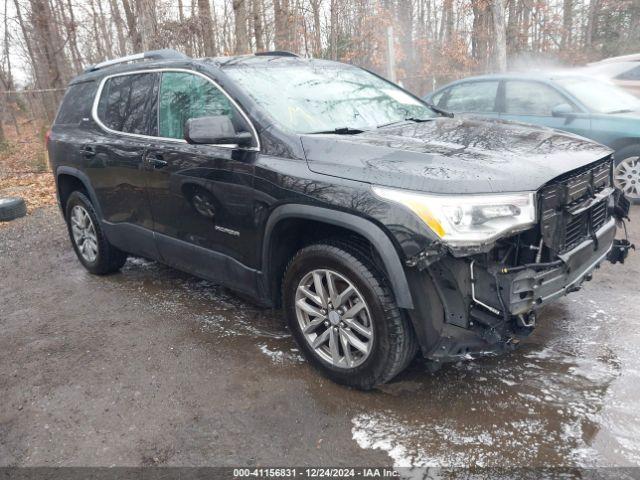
x=185, y=95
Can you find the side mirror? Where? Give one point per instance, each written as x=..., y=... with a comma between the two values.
x=217, y=130
x=562, y=110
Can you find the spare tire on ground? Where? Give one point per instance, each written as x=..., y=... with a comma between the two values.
x=12, y=207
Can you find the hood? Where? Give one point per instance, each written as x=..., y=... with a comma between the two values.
x=459, y=155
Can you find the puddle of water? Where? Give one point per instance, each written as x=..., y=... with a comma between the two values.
x=557, y=403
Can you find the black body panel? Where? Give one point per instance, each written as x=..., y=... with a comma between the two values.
x=446, y=155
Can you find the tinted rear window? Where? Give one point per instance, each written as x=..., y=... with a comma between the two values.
x=128, y=103
x=76, y=103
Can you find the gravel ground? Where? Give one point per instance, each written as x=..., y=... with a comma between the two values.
x=154, y=367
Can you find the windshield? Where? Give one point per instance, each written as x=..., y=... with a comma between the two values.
x=599, y=96
x=311, y=98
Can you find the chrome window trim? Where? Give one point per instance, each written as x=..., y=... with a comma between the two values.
x=94, y=108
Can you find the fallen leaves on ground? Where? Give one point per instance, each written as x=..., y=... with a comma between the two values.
x=24, y=171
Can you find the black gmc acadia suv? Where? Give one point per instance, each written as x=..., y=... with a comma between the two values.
x=380, y=224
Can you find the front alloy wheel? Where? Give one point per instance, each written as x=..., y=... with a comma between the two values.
x=627, y=177
x=334, y=318
x=341, y=311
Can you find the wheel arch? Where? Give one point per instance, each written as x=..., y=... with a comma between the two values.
x=624, y=142
x=281, y=217
x=68, y=180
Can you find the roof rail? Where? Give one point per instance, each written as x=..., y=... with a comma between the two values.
x=165, y=54
x=276, y=53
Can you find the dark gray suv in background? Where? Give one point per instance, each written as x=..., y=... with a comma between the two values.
x=381, y=226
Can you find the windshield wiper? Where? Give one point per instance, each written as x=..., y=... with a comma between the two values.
x=340, y=131
x=624, y=110
x=442, y=112
x=408, y=119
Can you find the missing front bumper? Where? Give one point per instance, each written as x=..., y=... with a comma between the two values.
x=473, y=309
x=525, y=290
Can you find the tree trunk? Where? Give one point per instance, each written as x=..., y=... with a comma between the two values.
x=117, y=20
x=594, y=6
x=101, y=53
x=281, y=21
x=405, y=21
x=500, y=39
x=132, y=27
x=526, y=26
x=333, y=43
x=180, y=11
x=512, y=26
x=258, y=30
x=447, y=21
x=108, y=40
x=49, y=55
x=240, y=16
x=206, y=26
x=480, y=35
x=317, y=34
x=567, y=23
x=146, y=12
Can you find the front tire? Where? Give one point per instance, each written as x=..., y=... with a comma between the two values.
x=344, y=317
x=626, y=173
x=89, y=242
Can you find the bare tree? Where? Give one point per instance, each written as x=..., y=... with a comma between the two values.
x=134, y=33
x=206, y=26
x=240, y=15
x=500, y=38
x=258, y=29
x=567, y=22
x=435, y=41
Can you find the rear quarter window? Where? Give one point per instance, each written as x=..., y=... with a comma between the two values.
x=76, y=103
x=128, y=103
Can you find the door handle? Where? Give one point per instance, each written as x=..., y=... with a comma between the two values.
x=155, y=161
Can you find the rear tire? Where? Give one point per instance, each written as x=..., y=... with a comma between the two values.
x=626, y=172
x=87, y=237
x=383, y=339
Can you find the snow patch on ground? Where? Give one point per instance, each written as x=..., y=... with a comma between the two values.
x=378, y=432
x=453, y=445
x=139, y=262
x=444, y=445
x=282, y=356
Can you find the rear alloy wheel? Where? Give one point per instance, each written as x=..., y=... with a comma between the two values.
x=89, y=241
x=84, y=233
x=342, y=313
x=626, y=177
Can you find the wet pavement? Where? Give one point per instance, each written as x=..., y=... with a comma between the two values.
x=154, y=367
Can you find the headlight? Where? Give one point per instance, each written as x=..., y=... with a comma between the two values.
x=461, y=220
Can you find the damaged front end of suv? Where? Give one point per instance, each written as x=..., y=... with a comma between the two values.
x=501, y=257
